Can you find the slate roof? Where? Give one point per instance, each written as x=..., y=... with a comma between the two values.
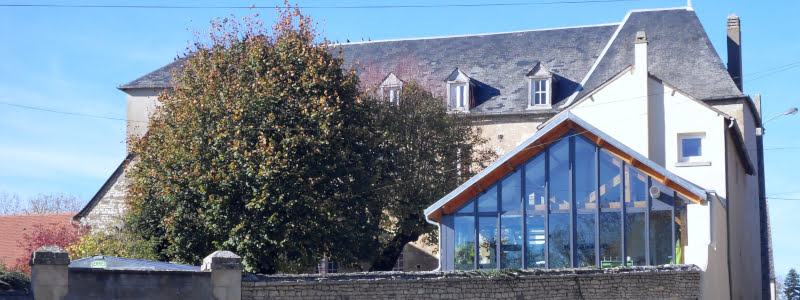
x=14, y=227
x=120, y=263
x=679, y=52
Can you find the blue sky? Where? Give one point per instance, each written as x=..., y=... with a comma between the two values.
x=72, y=59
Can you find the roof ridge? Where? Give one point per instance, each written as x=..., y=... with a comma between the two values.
x=471, y=35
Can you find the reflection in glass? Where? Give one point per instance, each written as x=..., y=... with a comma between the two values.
x=635, y=189
x=559, y=176
x=467, y=208
x=559, y=240
x=465, y=242
x=610, y=180
x=635, y=239
x=487, y=202
x=610, y=239
x=511, y=241
x=536, y=241
x=585, y=174
x=681, y=237
x=534, y=185
x=661, y=247
x=511, y=189
x=487, y=242
x=584, y=249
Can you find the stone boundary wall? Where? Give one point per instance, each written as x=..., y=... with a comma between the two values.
x=653, y=282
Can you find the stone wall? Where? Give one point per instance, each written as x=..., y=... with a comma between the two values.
x=106, y=211
x=654, y=282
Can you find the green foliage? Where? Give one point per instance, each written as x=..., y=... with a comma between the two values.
x=17, y=280
x=791, y=285
x=427, y=152
x=119, y=243
x=262, y=148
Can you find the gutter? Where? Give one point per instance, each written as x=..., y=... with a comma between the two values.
x=439, y=227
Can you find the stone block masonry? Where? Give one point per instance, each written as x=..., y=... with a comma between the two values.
x=652, y=282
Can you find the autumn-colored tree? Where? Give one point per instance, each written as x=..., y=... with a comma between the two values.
x=113, y=242
x=263, y=147
x=428, y=152
x=47, y=234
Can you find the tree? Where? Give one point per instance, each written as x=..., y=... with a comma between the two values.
x=428, y=152
x=39, y=204
x=791, y=286
x=47, y=234
x=113, y=242
x=260, y=148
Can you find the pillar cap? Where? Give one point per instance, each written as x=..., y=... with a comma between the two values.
x=220, y=260
x=49, y=255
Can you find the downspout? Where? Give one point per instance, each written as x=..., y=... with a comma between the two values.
x=439, y=226
x=727, y=212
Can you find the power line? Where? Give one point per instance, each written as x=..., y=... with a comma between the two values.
x=313, y=7
x=789, y=199
x=67, y=113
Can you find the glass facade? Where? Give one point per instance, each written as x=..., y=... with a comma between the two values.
x=572, y=205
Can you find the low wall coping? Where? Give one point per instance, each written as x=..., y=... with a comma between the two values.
x=50, y=255
x=492, y=274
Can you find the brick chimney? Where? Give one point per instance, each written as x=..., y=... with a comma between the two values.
x=735, y=50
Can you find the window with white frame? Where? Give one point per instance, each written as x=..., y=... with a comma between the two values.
x=459, y=98
x=392, y=94
x=539, y=92
x=690, y=147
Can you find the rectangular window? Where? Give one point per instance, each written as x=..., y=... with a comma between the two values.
x=464, y=242
x=487, y=242
x=560, y=207
x=585, y=201
x=690, y=147
x=635, y=210
x=511, y=242
x=458, y=96
x=610, y=209
x=538, y=92
x=511, y=191
x=536, y=241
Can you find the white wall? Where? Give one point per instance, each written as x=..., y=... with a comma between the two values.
x=141, y=104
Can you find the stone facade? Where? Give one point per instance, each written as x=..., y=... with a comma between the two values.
x=105, y=209
x=656, y=282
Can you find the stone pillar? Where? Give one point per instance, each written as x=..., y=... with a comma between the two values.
x=49, y=274
x=226, y=274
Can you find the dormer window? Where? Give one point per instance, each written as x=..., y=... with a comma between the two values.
x=540, y=87
x=390, y=88
x=460, y=89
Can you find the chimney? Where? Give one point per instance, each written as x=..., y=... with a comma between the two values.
x=735, y=50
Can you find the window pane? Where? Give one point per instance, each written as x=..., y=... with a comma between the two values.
x=691, y=147
x=584, y=249
x=610, y=181
x=536, y=241
x=487, y=242
x=511, y=241
x=487, y=202
x=585, y=175
x=534, y=185
x=610, y=239
x=465, y=242
x=559, y=176
x=461, y=96
x=559, y=240
x=681, y=237
x=635, y=189
x=511, y=191
x=453, y=95
x=467, y=208
x=634, y=238
x=665, y=200
x=661, y=247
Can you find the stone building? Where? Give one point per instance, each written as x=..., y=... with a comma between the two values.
x=651, y=88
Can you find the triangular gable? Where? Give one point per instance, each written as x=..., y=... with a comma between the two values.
x=458, y=76
x=539, y=71
x=391, y=80
x=541, y=140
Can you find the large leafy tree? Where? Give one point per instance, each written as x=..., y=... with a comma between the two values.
x=264, y=148
x=428, y=152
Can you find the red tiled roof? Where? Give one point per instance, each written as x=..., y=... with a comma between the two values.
x=13, y=227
